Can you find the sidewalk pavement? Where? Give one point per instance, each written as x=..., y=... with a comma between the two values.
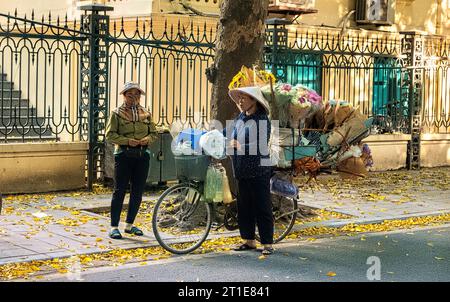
x=57, y=225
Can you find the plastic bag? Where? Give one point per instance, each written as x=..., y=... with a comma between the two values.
x=280, y=186
x=227, y=196
x=213, y=143
x=213, y=190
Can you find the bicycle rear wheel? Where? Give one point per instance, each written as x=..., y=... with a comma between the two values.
x=181, y=220
x=284, y=214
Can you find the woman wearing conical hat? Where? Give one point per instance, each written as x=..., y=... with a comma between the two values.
x=251, y=166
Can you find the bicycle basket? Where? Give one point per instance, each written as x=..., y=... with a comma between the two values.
x=192, y=167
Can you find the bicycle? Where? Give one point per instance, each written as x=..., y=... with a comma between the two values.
x=182, y=218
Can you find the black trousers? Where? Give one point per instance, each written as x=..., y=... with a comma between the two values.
x=255, y=208
x=133, y=171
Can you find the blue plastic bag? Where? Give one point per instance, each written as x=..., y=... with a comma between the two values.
x=282, y=187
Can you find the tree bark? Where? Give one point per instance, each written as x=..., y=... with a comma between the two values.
x=240, y=41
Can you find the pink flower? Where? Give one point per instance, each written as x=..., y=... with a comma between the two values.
x=314, y=97
x=286, y=87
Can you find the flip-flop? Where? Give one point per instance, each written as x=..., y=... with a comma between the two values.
x=267, y=251
x=115, y=234
x=135, y=231
x=245, y=247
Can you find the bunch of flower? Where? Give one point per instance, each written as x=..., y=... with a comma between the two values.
x=304, y=103
x=291, y=103
x=367, y=156
x=305, y=97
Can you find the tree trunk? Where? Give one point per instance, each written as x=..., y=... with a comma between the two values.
x=240, y=41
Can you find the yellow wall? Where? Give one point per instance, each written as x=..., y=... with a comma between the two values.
x=431, y=16
x=409, y=15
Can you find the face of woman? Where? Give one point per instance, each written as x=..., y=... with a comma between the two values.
x=245, y=102
x=132, y=96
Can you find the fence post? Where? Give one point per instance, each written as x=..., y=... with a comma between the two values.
x=276, y=47
x=94, y=86
x=413, y=48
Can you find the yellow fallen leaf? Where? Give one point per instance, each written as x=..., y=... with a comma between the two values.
x=99, y=240
x=262, y=257
x=331, y=274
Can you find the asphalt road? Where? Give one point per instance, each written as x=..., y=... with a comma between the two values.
x=407, y=255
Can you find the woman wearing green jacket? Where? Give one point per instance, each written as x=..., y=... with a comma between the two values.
x=131, y=129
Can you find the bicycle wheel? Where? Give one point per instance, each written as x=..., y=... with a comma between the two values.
x=181, y=220
x=284, y=214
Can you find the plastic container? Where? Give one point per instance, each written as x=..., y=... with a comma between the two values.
x=192, y=136
x=192, y=167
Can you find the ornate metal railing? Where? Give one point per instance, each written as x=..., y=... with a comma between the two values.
x=39, y=78
x=372, y=72
x=169, y=65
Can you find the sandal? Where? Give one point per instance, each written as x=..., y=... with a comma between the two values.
x=134, y=231
x=245, y=247
x=115, y=234
x=267, y=251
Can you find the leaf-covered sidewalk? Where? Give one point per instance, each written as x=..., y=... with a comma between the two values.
x=60, y=231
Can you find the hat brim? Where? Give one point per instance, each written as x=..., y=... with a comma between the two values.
x=234, y=95
x=126, y=89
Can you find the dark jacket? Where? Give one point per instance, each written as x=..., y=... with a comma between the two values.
x=253, y=160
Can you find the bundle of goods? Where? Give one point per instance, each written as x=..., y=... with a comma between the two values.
x=348, y=122
x=341, y=149
x=309, y=135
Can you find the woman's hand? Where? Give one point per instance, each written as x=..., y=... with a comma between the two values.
x=144, y=141
x=235, y=144
x=133, y=142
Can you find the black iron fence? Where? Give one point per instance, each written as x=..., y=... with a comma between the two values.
x=60, y=79
x=169, y=65
x=44, y=73
x=39, y=79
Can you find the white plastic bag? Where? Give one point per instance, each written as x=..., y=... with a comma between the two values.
x=213, y=143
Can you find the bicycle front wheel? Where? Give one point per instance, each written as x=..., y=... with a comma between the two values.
x=181, y=220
